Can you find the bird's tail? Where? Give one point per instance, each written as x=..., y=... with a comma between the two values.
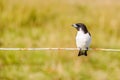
x=82, y=53
x=85, y=53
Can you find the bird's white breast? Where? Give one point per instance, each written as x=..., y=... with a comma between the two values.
x=83, y=40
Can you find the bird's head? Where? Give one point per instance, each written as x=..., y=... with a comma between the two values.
x=80, y=27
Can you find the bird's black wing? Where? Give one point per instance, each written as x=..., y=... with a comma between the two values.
x=89, y=34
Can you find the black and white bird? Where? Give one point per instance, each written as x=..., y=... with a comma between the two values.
x=83, y=38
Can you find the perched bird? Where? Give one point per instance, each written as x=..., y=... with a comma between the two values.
x=83, y=38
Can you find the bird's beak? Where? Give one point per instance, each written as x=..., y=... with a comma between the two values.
x=74, y=25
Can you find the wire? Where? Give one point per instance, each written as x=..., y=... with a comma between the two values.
x=39, y=49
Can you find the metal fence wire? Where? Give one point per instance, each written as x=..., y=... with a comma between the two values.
x=39, y=49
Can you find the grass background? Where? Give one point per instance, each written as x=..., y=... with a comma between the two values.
x=38, y=23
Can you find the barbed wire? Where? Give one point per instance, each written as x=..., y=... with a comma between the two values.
x=39, y=49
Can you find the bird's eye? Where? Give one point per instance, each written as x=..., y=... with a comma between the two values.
x=78, y=25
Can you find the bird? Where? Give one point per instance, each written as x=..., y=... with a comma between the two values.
x=83, y=38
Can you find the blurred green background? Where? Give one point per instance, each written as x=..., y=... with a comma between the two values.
x=47, y=23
